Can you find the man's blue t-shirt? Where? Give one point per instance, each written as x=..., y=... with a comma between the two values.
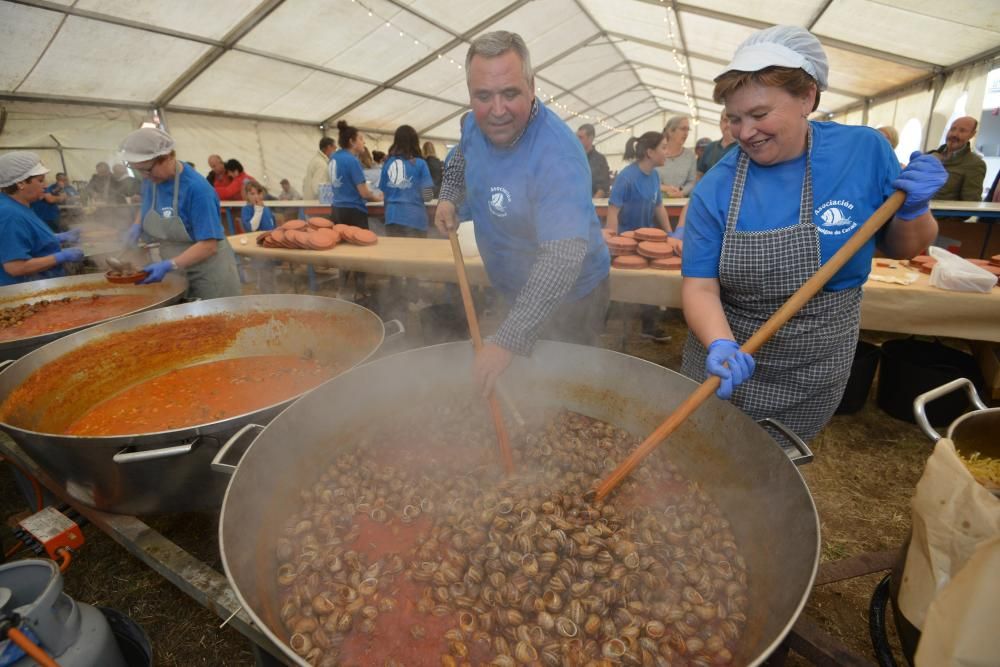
x=46, y=212
x=852, y=168
x=346, y=175
x=266, y=219
x=637, y=194
x=197, y=203
x=402, y=182
x=24, y=236
x=537, y=190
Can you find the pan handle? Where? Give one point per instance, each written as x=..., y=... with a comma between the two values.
x=128, y=455
x=218, y=464
x=921, y=401
x=394, y=324
x=799, y=452
x=5, y=363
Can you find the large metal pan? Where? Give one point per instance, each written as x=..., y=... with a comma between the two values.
x=734, y=459
x=165, y=470
x=161, y=294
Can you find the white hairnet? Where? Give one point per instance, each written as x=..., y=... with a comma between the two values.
x=17, y=166
x=145, y=144
x=782, y=46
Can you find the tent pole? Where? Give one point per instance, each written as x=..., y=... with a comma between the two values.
x=62, y=158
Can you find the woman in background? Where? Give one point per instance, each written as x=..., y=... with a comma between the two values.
x=679, y=172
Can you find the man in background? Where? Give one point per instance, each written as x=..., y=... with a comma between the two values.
x=716, y=149
x=600, y=175
x=318, y=169
x=966, y=170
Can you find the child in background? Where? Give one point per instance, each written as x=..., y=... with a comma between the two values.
x=256, y=217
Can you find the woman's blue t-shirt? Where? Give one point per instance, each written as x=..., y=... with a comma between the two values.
x=346, y=175
x=536, y=191
x=637, y=195
x=853, y=169
x=266, y=219
x=23, y=236
x=402, y=182
x=197, y=203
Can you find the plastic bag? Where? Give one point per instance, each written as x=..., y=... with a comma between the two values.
x=954, y=273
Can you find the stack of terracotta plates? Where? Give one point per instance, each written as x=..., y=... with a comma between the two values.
x=923, y=263
x=648, y=247
x=314, y=234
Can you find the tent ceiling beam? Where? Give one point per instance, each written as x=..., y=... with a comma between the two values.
x=621, y=53
x=818, y=15
x=632, y=122
x=68, y=99
x=240, y=30
x=464, y=37
x=895, y=91
x=597, y=105
x=700, y=56
x=589, y=79
x=423, y=17
x=829, y=41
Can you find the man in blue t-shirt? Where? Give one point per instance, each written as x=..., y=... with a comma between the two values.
x=526, y=181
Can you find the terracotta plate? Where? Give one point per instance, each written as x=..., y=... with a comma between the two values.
x=320, y=223
x=125, y=279
x=666, y=264
x=655, y=249
x=650, y=234
x=630, y=262
x=294, y=224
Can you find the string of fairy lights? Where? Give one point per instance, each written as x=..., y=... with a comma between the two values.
x=551, y=96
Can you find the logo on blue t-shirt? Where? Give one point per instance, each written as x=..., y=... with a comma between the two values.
x=167, y=212
x=397, y=176
x=836, y=217
x=334, y=179
x=499, y=201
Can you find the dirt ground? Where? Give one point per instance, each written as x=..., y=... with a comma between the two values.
x=862, y=479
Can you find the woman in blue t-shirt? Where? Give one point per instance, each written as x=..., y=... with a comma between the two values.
x=636, y=201
x=28, y=248
x=406, y=184
x=350, y=192
x=768, y=215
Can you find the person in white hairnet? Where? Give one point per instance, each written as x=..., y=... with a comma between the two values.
x=180, y=211
x=768, y=215
x=28, y=248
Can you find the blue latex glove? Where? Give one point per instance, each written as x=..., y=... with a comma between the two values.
x=72, y=236
x=920, y=180
x=69, y=255
x=132, y=235
x=157, y=271
x=741, y=365
x=677, y=234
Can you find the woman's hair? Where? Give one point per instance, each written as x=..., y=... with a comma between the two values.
x=345, y=134
x=794, y=80
x=429, y=147
x=10, y=189
x=365, y=158
x=406, y=143
x=635, y=148
x=232, y=164
x=674, y=123
x=254, y=185
x=378, y=156
x=891, y=134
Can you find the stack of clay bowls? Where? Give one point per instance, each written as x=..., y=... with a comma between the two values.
x=314, y=234
x=644, y=248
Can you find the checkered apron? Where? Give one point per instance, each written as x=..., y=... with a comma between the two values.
x=802, y=371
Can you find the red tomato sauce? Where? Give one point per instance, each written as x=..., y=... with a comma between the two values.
x=202, y=393
x=71, y=313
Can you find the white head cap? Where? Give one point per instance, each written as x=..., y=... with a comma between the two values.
x=145, y=144
x=17, y=166
x=782, y=46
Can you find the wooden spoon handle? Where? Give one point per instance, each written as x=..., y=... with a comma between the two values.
x=503, y=441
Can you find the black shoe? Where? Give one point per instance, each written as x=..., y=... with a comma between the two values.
x=658, y=335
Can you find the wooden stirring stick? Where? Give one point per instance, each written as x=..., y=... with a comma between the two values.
x=883, y=214
x=477, y=341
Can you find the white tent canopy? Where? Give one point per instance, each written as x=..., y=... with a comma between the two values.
x=260, y=79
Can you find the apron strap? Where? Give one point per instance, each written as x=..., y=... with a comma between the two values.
x=177, y=180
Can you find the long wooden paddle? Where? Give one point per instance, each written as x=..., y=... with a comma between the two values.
x=883, y=214
x=503, y=442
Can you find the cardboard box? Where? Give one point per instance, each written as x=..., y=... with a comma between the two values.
x=988, y=357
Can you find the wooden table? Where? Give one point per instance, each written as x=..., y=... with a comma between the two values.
x=912, y=309
x=987, y=212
